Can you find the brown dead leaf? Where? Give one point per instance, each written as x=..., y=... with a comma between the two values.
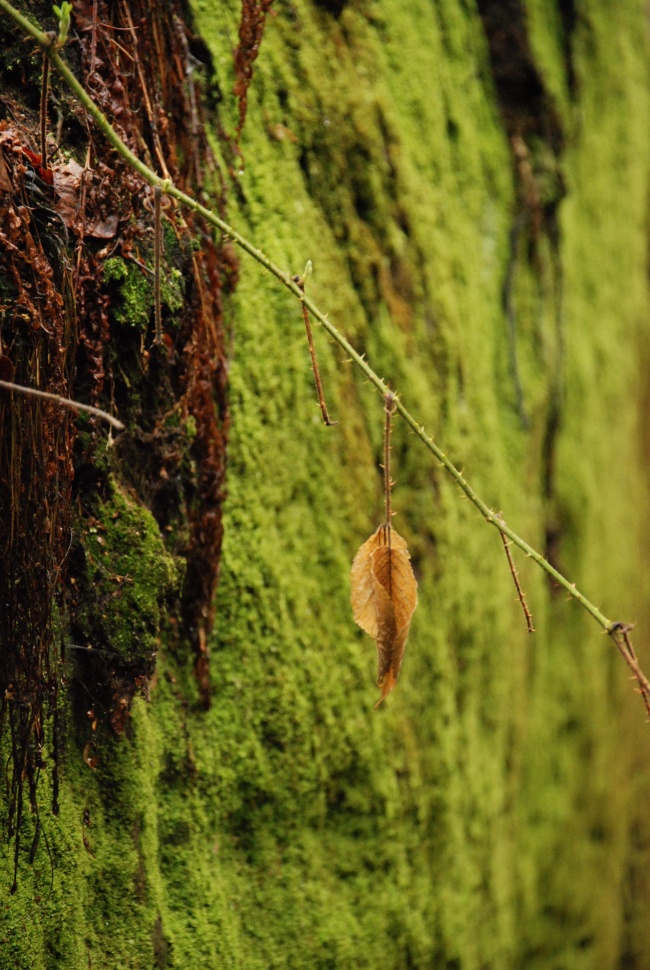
x=384, y=597
x=103, y=228
x=67, y=182
x=5, y=181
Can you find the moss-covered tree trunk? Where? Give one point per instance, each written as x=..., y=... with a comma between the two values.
x=194, y=773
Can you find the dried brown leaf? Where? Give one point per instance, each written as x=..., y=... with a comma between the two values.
x=384, y=597
x=103, y=228
x=5, y=181
x=67, y=181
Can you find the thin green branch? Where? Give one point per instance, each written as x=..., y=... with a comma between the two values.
x=47, y=43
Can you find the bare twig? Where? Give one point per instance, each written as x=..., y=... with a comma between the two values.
x=300, y=282
x=620, y=634
x=389, y=410
x=520, y=592
x=65, y=402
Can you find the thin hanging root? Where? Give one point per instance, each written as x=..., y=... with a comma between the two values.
x=43, y=118
x=157, y=253
x=300, y=281
x=520, y=592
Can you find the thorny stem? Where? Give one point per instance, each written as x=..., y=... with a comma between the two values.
x=65, y=401
x=46, y=44
x=157, y=250
x=626, y=650
x=520, y=592
x=300, y=282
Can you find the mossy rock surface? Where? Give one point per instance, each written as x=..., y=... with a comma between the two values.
x=491, y=813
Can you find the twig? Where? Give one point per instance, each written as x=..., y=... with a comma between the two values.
x=66, y=402
x=626, y=650
x=290, y=283
x=300, y=282
x=389, y=410
x=520, y=592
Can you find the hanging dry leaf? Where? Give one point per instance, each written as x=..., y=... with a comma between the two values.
x=384, y=597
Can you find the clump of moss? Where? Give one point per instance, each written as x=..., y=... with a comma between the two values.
x=124, y=577
x=133, y=301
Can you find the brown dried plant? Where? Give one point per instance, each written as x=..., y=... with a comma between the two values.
x=384, y=591
x=251, y=29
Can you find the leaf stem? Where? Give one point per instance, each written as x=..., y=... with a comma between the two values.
x=389, y=408
x=168, y=188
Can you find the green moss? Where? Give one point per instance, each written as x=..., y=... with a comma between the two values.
x=135, y=301
x=128, y=578
x=132, y=303
x=483, y=817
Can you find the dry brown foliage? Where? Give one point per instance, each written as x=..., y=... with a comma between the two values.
x=384, y=597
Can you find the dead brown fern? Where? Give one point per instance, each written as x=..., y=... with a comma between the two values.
x=251, y=30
